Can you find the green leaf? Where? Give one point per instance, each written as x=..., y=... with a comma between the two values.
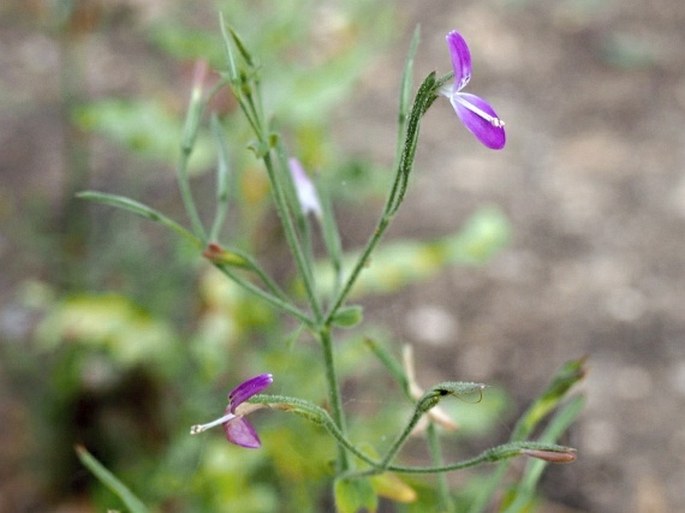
x=351, y=495
x=139, y=209
x=348, y=316
x=132, y=503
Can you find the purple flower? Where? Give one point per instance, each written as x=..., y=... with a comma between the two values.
x=238, y=430
x=306, y=192
x=476, y=114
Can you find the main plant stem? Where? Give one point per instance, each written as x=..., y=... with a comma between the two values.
x=334, y=395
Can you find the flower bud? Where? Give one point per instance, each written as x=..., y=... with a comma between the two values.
x=566, y=455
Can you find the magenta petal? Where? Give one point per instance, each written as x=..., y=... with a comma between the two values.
x=480, y=118
x=247, y=389
x=461, y=59
x=240, y=432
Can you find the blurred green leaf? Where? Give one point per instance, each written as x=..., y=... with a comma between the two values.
x=569, y=374
x=185, y=43
x=108, y=321
x=352, y=495
x=482, y=236
x=520, y=497
x=390, y=486
x=401, y=262
x=146, y=128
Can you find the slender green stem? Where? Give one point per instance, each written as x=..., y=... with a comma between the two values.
x=392, y=366
x=445, y=503
x=359, y=266
x=424, y=97
x=249, y=100
x=321, y=417
x=399, y=441
x=334, y=395
x=284, y=214
x=273, y=300
x=222, y=179
x=250, y=263
x=190, y=129
x=271, y=151
x=187, y=195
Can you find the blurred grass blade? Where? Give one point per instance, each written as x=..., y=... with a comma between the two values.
x=390, y=363
x=139, y=209
x=222, y=179
x=524, y=492
x=232, y=69
x=109, y=480
x=331, y=238
x=569, y=374
x=241, y=47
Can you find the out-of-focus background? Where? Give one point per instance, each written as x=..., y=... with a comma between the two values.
x=115, y=335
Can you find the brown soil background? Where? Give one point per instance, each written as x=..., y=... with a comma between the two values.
x=592, y=180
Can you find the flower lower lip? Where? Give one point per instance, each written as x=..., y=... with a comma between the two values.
x=491, y=119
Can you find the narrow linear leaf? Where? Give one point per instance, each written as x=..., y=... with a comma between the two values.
x=390, y=363
x=222, y=179
x=139, y=209
x=230, y=59
x=132, y=503
x=331, y=238
x=241, y=47
x=524, y=492
x=569, y=374
x=406, y=86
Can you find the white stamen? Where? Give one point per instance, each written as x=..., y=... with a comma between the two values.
x=199, y=428
x=496, y=122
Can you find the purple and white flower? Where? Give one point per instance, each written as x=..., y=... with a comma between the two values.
x=238, y=430
x=476, y=114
